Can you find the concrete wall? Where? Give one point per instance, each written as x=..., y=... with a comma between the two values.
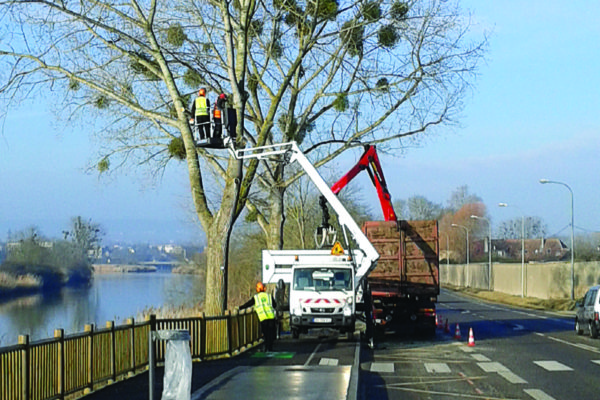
x=541, y=280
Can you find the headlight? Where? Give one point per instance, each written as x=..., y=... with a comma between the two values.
x=349, y=300
x=347, y=311
x=297, y=310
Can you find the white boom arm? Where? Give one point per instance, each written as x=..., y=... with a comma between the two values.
x=291, y=149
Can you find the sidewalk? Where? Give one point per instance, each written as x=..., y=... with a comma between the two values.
x=240, y=376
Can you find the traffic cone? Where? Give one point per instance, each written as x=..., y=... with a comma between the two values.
x=447, y=327
x=471, y=338
x=438, y=322
x=457, y=332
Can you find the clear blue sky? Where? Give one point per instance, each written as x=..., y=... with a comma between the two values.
x=535, y=113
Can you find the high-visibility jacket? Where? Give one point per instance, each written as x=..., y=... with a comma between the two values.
x=217, y=113
x=201, y=106
x=263, y=305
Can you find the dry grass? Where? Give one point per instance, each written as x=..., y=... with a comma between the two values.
x=527, y=302
x=171, y=312
x=10, y=282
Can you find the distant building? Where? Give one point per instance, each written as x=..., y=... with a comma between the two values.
x=551, y=249
x=16, y=244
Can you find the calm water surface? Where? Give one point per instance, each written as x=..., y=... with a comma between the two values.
x=112, y=297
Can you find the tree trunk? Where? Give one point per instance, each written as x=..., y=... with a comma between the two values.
x=276, y=219
x=214, y=275
x=216, y=227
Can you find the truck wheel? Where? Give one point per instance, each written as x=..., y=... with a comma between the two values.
x=578, y=328
x=350, y=335
x=295, y=333
x=593, y=330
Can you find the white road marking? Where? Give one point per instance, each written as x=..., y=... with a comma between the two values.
x=312, y=355
x=578, y=345
x=466, y=349
x=512, y=378
x=596, y=362
x=552, y=366
x=437, y=368
x=480, y=357
x=382, y=367
x=538, y=394
x=328, y=361
x=492, y=367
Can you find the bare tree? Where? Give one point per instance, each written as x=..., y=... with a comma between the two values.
x=533, y=227
x=460, y=197
x=324, y=73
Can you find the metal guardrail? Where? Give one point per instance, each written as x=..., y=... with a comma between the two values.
x=73, y=365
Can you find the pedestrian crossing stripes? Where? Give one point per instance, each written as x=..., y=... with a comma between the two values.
x=512, y=378
x=437, y=368
x=480, y=357
x=552, y=366
x=328, y=361
x=538, y=394
x=382, y=367
x=486, y=366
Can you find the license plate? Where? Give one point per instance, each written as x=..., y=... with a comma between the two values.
x=322, y=320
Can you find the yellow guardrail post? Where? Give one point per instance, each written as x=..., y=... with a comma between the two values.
x=89, y=330
x=113, y=357
x=24, y=341
x=59, y=334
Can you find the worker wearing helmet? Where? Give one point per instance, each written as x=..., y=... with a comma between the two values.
x=200, y=111
x=264, y=306
x=220, y=106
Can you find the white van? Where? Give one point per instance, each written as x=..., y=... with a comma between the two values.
x=587, y=315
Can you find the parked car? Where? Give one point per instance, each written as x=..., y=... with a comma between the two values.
x=587, y=315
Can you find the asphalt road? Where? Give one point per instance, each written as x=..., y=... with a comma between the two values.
x=517, y=354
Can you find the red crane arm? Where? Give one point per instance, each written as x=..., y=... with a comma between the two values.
x=370, y=161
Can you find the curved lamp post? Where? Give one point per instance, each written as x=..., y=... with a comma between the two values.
x=522, y=247
x=489, y=249
x=467, y=230
x=543, y=181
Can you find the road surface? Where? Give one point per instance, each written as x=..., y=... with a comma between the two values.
x=517, y=354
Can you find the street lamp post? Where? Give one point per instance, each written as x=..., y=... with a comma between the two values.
x=522, y=247
x=467, y=230
x=544, y=181
x=489, y=249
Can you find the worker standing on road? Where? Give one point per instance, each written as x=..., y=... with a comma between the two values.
x=200, y=111
x=264, y=306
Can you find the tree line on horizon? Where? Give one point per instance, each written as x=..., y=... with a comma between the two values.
x=33, y=262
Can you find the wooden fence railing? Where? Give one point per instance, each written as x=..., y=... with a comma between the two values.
x=68, y=365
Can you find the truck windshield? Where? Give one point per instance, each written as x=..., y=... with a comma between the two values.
x=322, y=279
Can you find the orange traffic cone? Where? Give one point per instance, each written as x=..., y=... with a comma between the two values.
x=471, y=338
x=447, y=327
x=457, y=332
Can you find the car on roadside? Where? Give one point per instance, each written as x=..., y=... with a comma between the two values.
x=587, y=313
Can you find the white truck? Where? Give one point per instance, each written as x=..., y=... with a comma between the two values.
x=325, y=285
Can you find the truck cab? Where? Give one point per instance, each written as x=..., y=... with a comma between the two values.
x=321, y=288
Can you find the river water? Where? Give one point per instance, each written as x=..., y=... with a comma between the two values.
x=111, y=297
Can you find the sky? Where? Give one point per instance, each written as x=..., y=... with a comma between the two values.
x=534, y=113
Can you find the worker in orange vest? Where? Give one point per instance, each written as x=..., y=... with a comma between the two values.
x=220, y=106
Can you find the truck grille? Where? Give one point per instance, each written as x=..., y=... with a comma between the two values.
x=321, y=310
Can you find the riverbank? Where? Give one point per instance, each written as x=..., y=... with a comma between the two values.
x=121, y=268
x=11, y=285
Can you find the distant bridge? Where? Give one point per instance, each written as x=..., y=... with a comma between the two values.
x=162, y=265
